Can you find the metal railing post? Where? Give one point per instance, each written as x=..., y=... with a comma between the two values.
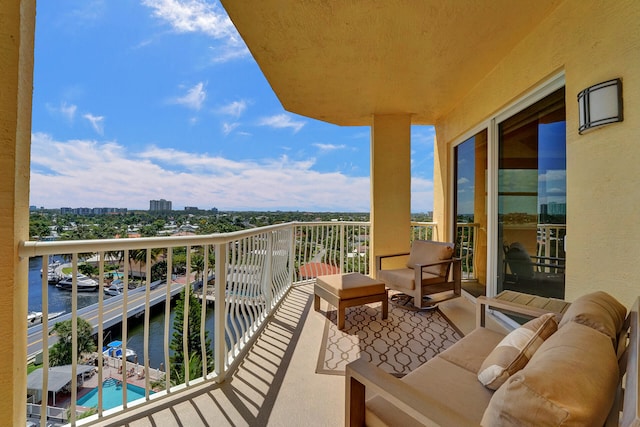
x=266, y=276
x=292, y=253
x=342, y=260
x=219, y=310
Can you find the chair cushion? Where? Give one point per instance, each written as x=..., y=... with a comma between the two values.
x=427, y=252
x=405, y=278
x=598, y=310
x=570, y=381
x=515, y=350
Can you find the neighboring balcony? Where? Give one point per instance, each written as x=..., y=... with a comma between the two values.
x=258, y=334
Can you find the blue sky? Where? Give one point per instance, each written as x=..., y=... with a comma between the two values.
x=150, y=99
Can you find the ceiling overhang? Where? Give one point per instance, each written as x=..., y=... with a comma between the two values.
x=344, y=61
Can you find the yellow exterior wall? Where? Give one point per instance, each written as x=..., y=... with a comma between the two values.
x=390, y=185
x=592, y=42
x=17, y=28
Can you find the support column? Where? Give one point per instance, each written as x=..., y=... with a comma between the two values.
x=390, y=185
x=16, y=86
x=441, y=209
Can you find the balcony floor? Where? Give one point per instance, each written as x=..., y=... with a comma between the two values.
x=276, y=383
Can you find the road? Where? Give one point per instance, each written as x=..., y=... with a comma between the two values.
x=112, y=314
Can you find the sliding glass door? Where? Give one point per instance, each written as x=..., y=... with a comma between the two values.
x=531, y=224
x=470, y=211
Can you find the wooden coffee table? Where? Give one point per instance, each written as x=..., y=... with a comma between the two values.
x=349, y=290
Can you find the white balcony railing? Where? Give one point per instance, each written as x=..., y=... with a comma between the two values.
x=257, y=267
x=466, y=248
x=424, y=231
x=551, y=240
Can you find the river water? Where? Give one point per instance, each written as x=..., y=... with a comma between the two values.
x=60, y=300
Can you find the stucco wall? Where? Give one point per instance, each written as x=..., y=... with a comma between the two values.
x=592, y=42
x=17, y=20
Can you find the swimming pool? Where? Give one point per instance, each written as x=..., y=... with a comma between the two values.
x=111, y=394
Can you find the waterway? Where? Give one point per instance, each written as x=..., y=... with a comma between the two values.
x=60, y=300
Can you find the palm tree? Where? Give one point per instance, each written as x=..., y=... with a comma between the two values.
x=61, y=352
x=140, y=257
x=197, y=264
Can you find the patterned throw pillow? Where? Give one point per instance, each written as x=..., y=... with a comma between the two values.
x=515, y=350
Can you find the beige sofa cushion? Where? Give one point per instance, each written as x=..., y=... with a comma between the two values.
x=539, y=394
x=469, y=352
x=515, y=350
x=427, y=252
x=453, y=395
x=597, y=310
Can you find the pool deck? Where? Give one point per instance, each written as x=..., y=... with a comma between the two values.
x=111, y=370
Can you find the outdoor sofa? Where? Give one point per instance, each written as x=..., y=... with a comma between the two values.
x=574, y=378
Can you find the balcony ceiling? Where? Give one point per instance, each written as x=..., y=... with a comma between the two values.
x=343, y=61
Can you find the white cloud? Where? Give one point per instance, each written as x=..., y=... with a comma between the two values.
x=227, y=128
x=553, y=175
x=142, y=44
x=235, y=108
x=199, y=16
x=69, y=111
x=281, y=121
x=93, y=173
x=194, y=98
x=557, y=190
x=192, y=16
x=84, y=13
x=423, y=135
x=329, y=147
x=97, y=122
x=463, y=181
x=421, y=194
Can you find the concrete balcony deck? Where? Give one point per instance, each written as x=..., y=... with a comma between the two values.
x=276, y=384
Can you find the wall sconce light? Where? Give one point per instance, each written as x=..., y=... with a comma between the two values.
x=600, y=104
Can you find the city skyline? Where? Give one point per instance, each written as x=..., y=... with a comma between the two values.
x=162, y=97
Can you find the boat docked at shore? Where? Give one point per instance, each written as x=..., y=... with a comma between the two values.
x=53, y=274
x=116, y=288
x=114, y=349
x=84, y=284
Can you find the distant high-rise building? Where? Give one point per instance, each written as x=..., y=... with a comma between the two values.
x=160, y=205
x=191, y=208
x=553, y=208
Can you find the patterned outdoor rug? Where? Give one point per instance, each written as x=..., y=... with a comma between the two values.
x=398, y=345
